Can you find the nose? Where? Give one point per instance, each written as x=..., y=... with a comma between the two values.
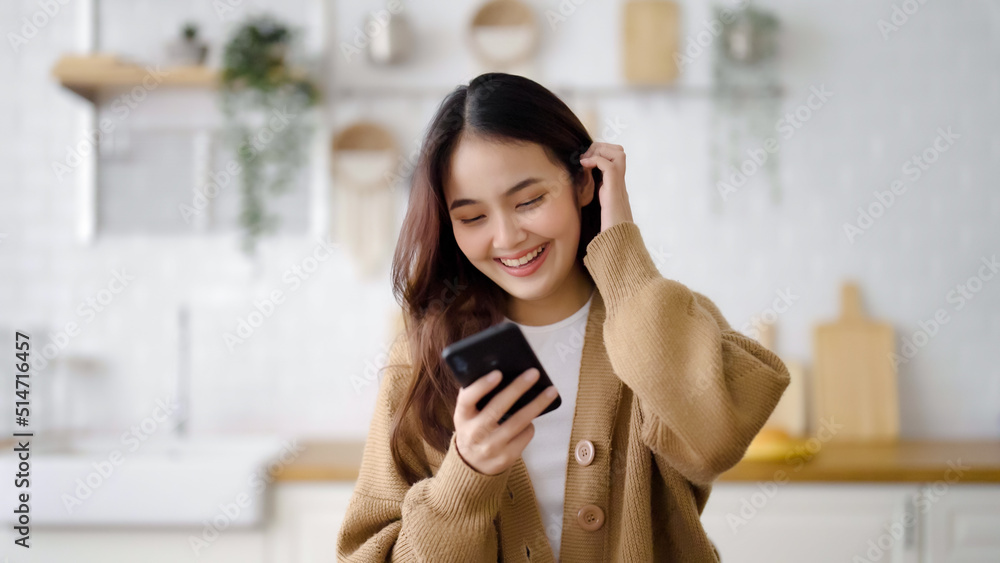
x=508, y=235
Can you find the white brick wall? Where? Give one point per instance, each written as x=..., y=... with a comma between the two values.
x=941, y=69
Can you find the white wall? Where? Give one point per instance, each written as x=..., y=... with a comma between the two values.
x=293, y=375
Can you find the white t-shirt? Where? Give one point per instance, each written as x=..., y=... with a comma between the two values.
x=559, y=347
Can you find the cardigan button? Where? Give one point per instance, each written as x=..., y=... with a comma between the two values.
x=590, y=517
x=584, y=452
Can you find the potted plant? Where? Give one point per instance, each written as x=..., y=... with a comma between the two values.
x=263, y=99
x=189, y=49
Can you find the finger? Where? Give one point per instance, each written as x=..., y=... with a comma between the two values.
x=518, y=443
x=599, y=161
x=505, y=399
x=618, y=157
x=607, y=150
x=465, y=404
x=601, y=145
x=523, y=417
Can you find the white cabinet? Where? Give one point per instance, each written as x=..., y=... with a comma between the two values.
x=307, y=516
x=770, y=522
x=129, y=545
x=962, y=522
x=749, y=522
x=302, y=521
x=774, y=521
x=858, y=523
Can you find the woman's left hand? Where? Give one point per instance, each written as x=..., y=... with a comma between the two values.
x=614, y=199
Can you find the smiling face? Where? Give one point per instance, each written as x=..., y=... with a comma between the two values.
x=508, y=200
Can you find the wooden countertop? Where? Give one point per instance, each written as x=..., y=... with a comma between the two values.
x=324, y=461
x=912, y=461
x=915, y=461
x=908, y=461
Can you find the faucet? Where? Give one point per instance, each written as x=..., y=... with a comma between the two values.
x=183, y=380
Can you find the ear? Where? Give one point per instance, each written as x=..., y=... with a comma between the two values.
x=587, y=189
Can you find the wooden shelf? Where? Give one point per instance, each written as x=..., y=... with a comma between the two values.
x=87, y=75
x=611, y=91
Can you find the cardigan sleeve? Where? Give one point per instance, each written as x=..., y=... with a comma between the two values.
x=446, y=517
x=704, y=389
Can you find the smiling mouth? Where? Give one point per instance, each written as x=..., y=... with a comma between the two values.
x=518, y=263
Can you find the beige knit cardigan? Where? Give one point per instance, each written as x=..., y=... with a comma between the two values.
x=670, y=396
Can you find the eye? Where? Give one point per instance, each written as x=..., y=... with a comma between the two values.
x=527, y=203
x=534, y=201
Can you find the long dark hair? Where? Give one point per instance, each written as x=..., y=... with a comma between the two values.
x=444, y=297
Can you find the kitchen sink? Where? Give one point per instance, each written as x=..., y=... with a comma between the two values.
x=217, y=481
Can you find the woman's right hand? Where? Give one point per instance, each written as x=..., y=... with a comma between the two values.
x=490, y=448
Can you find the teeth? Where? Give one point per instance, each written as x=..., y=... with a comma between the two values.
x=524, y=259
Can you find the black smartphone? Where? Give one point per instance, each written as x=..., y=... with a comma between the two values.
x=503, y=347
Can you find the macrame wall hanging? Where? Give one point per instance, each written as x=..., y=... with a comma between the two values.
x=364, y=160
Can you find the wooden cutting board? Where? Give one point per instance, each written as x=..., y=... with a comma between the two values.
x=651, y=36
x=855, y=381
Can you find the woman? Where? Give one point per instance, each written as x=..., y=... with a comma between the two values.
x=660, y=395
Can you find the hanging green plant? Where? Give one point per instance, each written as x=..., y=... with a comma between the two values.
x=263, y=100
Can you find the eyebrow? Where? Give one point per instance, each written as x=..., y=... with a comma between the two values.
x=517, y=187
